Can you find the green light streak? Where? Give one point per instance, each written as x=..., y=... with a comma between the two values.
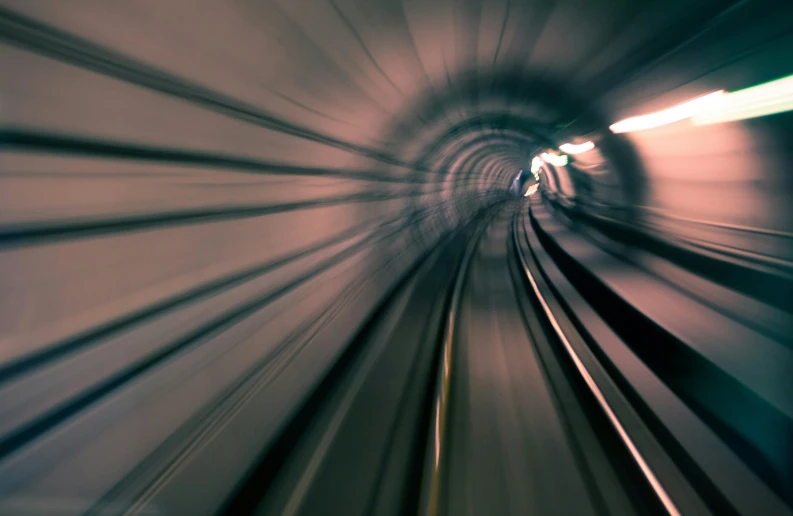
x=766, y=99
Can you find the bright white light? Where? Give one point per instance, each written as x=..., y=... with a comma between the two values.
x=669, y=116
x=531, y=191
x=766, y=99
x=553, y=159
x=536, y=165
x=571, y=148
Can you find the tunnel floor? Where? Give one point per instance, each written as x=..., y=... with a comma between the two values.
x=468, y=393
x=521, y=366
x=521, y=432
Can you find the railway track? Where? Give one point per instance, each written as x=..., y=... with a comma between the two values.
x=489, y=381
x=466, y=396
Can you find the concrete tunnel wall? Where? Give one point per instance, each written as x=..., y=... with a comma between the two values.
x=164, y=162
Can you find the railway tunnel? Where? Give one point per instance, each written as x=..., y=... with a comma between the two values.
x=438, y=257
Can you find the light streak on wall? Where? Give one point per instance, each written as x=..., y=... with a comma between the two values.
x=571, y=148
x=766, y=99
x=536, y=165
x=669, y=116
x=555, y=160
x=532, y=190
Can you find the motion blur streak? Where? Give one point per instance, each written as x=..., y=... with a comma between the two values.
x=766, y=99
x=555, y=159
x=536, y=164
x=531, y=190
x=571, y=148
x=669, y=116
x=389, y=257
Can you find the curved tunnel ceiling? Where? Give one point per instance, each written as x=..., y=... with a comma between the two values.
x=189, y=187
x=381, y=81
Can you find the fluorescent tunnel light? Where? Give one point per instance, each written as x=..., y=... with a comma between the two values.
x=668, y=116
x=536, y=165
x=765, y=99
x=553, y=159
x=571, y=148
x=531, y=191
